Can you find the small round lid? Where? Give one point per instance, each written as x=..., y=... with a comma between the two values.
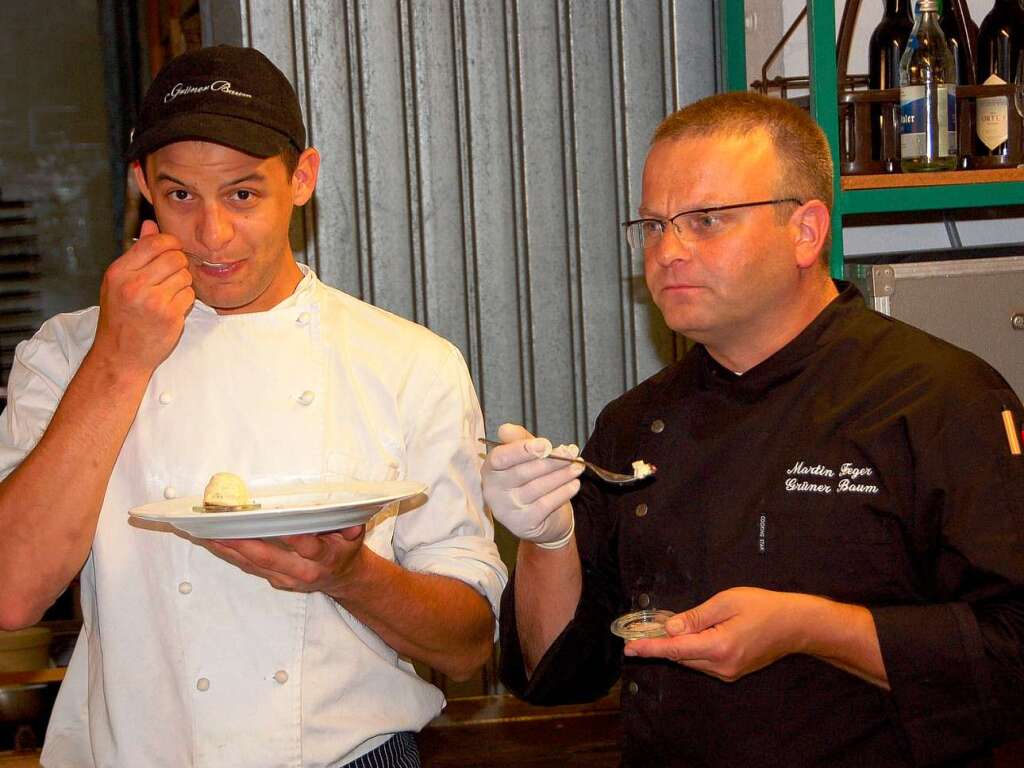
x=641, y=624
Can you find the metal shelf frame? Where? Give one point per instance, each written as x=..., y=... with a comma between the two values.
x=824, y=103
x=937, y=197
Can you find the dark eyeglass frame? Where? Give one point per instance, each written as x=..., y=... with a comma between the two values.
x=664, y=222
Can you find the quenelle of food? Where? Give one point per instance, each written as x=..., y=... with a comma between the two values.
x=226, y=491
x=642, y=469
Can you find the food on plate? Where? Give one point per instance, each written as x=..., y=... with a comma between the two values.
x=642, y=469
x=226, y=489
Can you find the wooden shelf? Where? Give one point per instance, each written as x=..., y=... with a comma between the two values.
x=935, y=178
x=31, y=676
x=20, y=759
x=517, y=734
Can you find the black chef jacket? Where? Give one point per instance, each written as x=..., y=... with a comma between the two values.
x=866, y=461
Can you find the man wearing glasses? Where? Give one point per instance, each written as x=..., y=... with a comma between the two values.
x=834, y=528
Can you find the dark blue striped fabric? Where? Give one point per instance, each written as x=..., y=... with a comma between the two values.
x=400, y=751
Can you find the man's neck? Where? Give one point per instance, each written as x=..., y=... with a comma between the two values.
x=750, y=350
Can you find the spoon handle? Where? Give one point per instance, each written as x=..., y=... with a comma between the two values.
x=576, y=460
x=190, y=254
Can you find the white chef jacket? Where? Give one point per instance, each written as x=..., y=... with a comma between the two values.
x=185, y=660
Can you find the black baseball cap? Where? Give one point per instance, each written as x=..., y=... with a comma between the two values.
x=223, y=94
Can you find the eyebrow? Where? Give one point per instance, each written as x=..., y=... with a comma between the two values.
x=255, y=176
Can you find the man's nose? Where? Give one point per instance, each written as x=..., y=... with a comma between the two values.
x=669, y=248
x=214, y=229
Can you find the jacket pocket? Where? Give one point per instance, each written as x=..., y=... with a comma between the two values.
x=836, y=547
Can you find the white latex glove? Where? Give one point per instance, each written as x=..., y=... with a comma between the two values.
x=529, y=493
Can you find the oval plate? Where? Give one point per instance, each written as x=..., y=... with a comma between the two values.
x=284, y=510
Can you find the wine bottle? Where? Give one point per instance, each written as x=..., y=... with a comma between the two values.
x=999, y=46
x=884, y=52
x=962, y=49
x=928, y=140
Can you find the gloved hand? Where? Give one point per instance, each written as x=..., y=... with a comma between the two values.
x=529, y=493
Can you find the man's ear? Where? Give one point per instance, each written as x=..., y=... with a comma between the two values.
x=140, y=179
x=810, y=226
x=304, y=178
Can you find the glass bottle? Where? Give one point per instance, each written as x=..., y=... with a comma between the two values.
x=962, y=49
x=928, y=140
x=885, y=49
x=999, y=47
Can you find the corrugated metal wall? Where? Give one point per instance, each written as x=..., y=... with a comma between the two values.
x=478, y=158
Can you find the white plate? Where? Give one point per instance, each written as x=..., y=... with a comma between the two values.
x=303, y=508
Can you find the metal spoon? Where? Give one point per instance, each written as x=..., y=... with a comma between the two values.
x=616, y=478
x=189, y=254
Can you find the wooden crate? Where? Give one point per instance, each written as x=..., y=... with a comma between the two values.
x=869, y=130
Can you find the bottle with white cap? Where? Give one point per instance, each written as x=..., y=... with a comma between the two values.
x=928, y=138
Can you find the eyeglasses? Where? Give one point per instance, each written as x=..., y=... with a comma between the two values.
x=690, y=226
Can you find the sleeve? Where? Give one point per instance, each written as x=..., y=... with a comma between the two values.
x=586, y=658
x=955, y=663
x=451, y=534
x=39, y=376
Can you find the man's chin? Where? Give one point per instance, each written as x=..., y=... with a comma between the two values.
x=685, y=324
x=676, y=316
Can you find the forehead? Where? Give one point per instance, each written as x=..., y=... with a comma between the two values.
x=210, y=160
x=699, y=170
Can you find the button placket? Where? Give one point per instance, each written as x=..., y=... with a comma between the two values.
x=166, y=397
x=307, y=396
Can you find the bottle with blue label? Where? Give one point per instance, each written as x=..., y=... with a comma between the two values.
x=928, y=137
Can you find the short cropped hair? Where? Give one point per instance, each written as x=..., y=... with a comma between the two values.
x=800, y=145
x=290, y=157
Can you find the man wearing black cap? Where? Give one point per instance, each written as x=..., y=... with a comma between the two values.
x=212, y=350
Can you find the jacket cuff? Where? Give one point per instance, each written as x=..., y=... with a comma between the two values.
x=935, y=662
x=581, y=665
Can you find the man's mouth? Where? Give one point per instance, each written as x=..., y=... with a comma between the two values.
x=199, y=260
x=219, y=268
